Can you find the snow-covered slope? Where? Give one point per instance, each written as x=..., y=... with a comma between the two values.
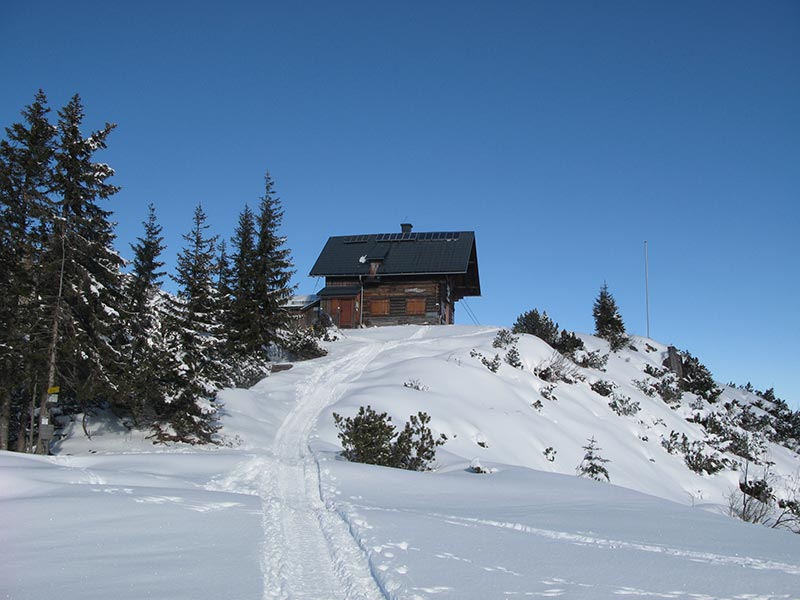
x=276, y=512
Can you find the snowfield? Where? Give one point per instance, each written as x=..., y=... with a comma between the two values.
x=275, y=512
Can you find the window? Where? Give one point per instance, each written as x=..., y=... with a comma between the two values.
x=379, y=308
x=415, y=306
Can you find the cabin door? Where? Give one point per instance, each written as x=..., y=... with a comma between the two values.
x=343, y=311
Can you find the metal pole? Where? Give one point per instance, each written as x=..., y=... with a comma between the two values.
x=646, y=289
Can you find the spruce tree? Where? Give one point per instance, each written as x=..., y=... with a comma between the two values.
x=146, y=276
x=198, y=339
x=81, y=279
x=148, y=379
x=244, y=332
x=273, y=268
x=540, y=325
x=26, y=158
x=607, y=320
x=593, y=465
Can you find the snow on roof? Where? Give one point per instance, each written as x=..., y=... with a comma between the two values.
x=301, y=301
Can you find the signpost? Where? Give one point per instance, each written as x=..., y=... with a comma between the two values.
x=46, y=430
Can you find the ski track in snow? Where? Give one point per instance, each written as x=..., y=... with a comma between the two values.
x=604, y=543
x=308, y=550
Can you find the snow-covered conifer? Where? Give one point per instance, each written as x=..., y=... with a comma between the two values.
x=608, y=323
x=593, y=465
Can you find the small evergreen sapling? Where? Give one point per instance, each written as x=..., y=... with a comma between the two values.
x=697, y=379
x=540, y=325
x=602, y=387
x=543, y=327
x=371, y=438
x=608, y=323
x=367, y=437
x=503, y=339
x=512, y=358
x=593, y=465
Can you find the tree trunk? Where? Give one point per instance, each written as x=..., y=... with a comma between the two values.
x=5, y=417
x=43, y=446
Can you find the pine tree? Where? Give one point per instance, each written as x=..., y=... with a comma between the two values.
x=592, y=465
x=244, y=333
x=81, y=279
x=273, y=269
x=224, y=281
x=198, y=340
x=26, y=158
x=540, y=325
x=149, y=376
x=607, y=320
x=146, y=276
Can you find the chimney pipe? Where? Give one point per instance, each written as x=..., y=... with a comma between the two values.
x=405, y=227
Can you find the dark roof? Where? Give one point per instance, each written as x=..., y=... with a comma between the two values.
x=399, y=254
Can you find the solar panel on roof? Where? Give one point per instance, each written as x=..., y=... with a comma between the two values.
x=403, y=237
x=356, y=239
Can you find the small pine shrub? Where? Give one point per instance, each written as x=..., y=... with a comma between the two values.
x=324, y=328
x=493, y=365
x=547, y=392
x=726, y=436
x=558, y=368
x=697, y=379
x=504, y=339
x=538, y=405
x=370, y=438
x=568, y=343
x=476, y=467
x=623, y=405
x=592, y=360
x=699, y=462
x=694, y=454
x=656, y=372
x=646, y=387
x=604, y=388
x=415, y=384
x=415, y=447
x=302, y=344
x=543, y=327
x=668, y=388
x=593, y=465
x=540, y=325
x=672, y=443
x=550, y=454
x=512, y=358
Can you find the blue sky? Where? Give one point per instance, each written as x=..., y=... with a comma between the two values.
x=565, y=134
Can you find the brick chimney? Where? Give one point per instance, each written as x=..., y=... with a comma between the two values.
x=406, y=227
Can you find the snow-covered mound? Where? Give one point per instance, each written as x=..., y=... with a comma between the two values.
x=276, y=512
x=512, y=416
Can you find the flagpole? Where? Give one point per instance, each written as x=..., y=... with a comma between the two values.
x=646, y=289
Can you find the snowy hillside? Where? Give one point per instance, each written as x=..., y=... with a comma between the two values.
x=276, y=513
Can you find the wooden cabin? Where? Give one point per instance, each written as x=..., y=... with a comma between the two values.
x=303, y=309
x=397, y=278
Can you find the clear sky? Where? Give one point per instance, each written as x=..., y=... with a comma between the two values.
x=565, y=134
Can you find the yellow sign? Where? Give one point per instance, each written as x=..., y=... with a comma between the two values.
x=53, y=390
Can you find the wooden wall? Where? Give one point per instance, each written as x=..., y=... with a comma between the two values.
x=398, y=301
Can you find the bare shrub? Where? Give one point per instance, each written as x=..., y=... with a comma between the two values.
x=558, y=368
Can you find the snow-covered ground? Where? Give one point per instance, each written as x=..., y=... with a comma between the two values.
x=276, y=513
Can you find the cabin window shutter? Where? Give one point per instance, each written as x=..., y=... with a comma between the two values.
x=415, y=306
x=379, y=308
